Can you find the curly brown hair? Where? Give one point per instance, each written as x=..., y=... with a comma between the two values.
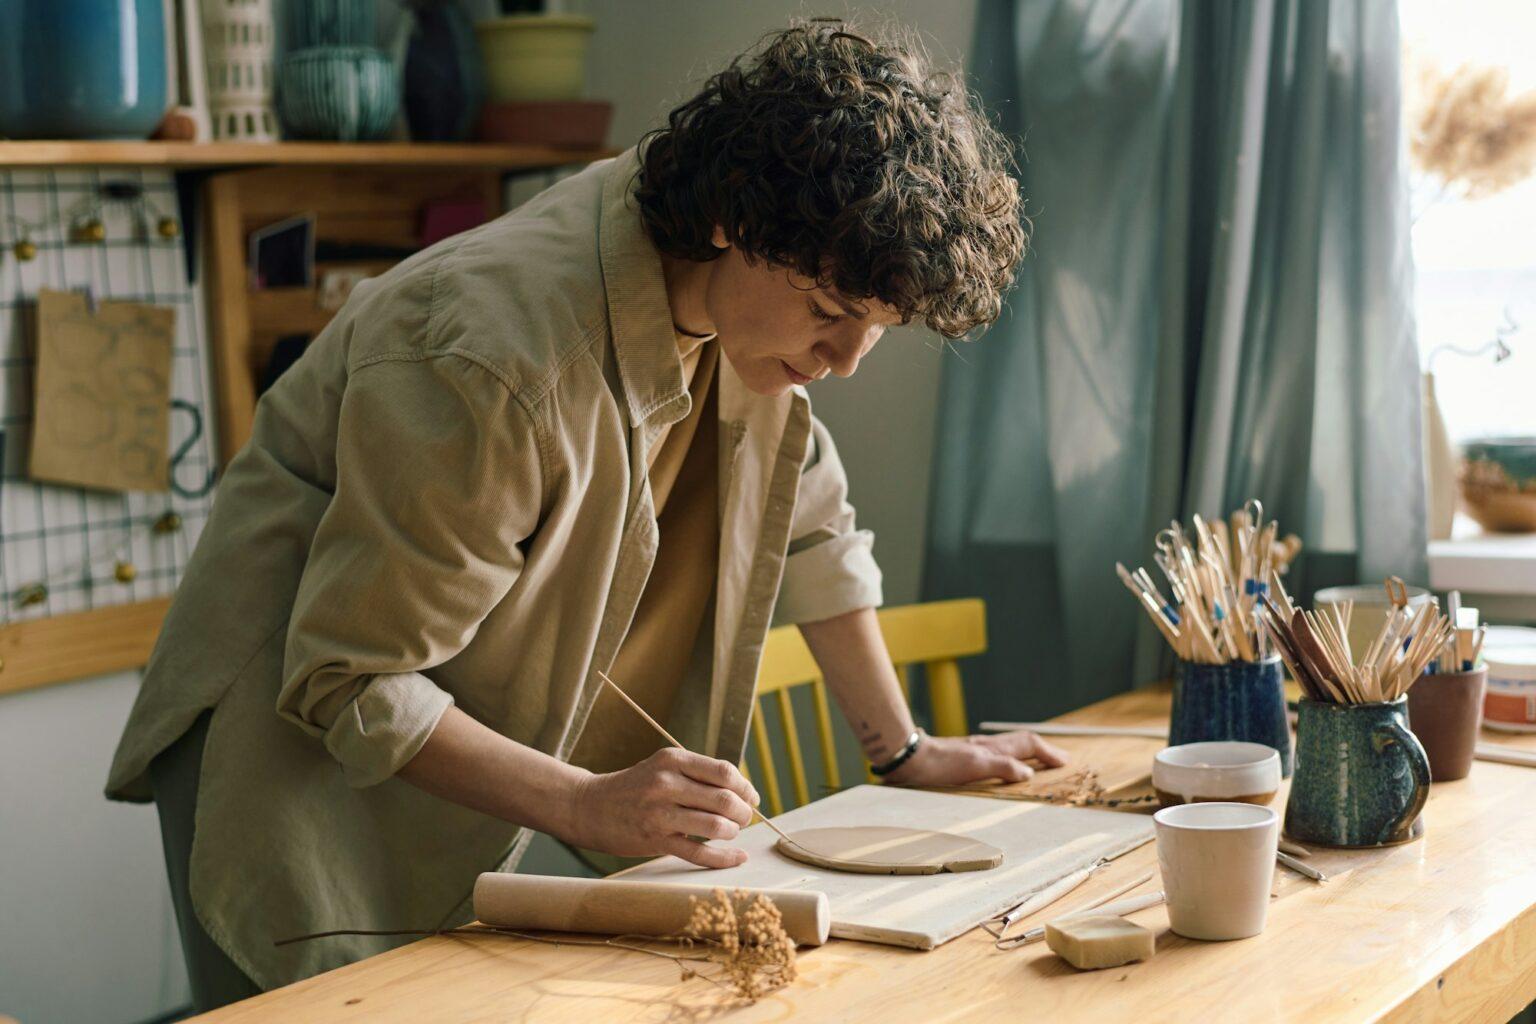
x=850, y=161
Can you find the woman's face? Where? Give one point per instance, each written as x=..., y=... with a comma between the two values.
x=778, y=329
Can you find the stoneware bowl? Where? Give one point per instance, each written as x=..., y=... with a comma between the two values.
x=1222, y=771
x=1498, y=483
x=345, y=93
x=1238, y=701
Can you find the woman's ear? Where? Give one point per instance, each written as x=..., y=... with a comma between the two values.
x=718, y=238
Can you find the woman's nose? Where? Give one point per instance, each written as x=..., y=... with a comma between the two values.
x=842, y=355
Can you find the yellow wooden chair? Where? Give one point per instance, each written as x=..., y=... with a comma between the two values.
x=934, y=635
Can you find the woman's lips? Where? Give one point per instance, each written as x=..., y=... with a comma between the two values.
x=794, y=375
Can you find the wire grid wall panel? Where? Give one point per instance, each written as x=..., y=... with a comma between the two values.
x=69, y=539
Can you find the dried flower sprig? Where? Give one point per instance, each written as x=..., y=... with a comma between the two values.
x=1468, y=132
x=748, y=930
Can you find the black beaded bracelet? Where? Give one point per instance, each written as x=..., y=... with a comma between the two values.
x=902, y=756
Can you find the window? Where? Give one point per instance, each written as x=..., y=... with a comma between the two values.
x=1476, y=259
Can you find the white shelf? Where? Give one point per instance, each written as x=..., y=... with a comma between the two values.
x=1476, y=562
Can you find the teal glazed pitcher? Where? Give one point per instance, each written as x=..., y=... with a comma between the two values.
x=1361, y=776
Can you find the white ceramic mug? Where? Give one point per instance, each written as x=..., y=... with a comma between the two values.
x=1218, y=863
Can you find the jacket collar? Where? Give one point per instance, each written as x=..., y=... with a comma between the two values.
x=644, y=341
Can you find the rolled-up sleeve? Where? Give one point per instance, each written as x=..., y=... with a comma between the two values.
x=830, y=569
x=438, y=482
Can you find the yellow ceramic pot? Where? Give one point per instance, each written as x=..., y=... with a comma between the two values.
x=534, y=57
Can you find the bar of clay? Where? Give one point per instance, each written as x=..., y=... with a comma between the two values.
x=1089, y=942
x=613, y=906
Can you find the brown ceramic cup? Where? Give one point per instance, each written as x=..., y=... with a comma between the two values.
x=1445, y=711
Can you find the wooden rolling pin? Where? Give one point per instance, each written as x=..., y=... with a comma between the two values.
x=605, y=906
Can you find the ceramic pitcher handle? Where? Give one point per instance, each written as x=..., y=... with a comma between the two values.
x=1393, y=733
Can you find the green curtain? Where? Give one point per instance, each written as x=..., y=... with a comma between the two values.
x=1216, y=306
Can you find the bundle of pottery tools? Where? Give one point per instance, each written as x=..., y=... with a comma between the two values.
x=1465, y=646
x=1315, y=647
x=1216, y=582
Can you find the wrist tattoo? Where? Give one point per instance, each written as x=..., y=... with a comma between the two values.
x=871, y=740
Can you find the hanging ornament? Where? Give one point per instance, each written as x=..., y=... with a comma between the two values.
x=32, y=594
x=25, y=249
x=168, y=227
x=170, y=522
x=88, y=229
x=125, y=571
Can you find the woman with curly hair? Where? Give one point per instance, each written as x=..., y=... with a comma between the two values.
x=575, y=440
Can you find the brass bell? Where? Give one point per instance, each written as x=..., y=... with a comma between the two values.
x=168, y=523
x=168, y=227
x=31, y=594
x=89, y=230
x=125, y=572
x=25, y=249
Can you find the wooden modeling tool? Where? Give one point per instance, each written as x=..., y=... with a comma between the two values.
x=669, y=738
x=1307, y=870
x=998, y=926
x=1217, y=582
x=1070, y=729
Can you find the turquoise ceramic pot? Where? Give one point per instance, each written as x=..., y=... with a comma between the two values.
x=1361, y=776
x=81, y=69
x=346, y=93
x=1240, y=700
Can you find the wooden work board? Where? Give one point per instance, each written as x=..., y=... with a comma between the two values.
x=1040, y=844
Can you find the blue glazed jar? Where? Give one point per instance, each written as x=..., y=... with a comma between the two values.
x=1241, y=700
x=81, y=69
x=1361, y=776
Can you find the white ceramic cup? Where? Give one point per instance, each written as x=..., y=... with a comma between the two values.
x=1218, y=863
x=1220, y=770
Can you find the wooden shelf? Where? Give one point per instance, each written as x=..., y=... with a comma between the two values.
x=41, y=652
x=464, y=155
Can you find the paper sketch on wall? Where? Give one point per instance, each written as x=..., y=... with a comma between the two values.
x=102, y=393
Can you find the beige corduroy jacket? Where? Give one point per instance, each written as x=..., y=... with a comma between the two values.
x=444, y=501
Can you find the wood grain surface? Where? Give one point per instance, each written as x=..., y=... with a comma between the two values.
x=1443, y=929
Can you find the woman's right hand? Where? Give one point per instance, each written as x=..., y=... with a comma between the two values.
x=654, y=807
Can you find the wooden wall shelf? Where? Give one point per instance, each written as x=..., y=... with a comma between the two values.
x=189, y=155
x=62, y=648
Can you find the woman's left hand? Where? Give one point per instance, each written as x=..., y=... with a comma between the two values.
x=957, y=760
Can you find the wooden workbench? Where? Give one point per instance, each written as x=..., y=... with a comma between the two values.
x=1443, y=929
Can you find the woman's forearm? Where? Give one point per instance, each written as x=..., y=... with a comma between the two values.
x=851, y=653
x=474, y=766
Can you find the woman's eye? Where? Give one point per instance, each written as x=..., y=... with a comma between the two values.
x=821, y=314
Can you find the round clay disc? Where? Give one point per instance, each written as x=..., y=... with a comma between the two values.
x=884, y=850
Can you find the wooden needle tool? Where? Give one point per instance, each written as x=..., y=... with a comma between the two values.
x=672, y=740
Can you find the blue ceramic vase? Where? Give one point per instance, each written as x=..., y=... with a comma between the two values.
x=1361, y=776
x=1241, y=700
x=81, y=69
